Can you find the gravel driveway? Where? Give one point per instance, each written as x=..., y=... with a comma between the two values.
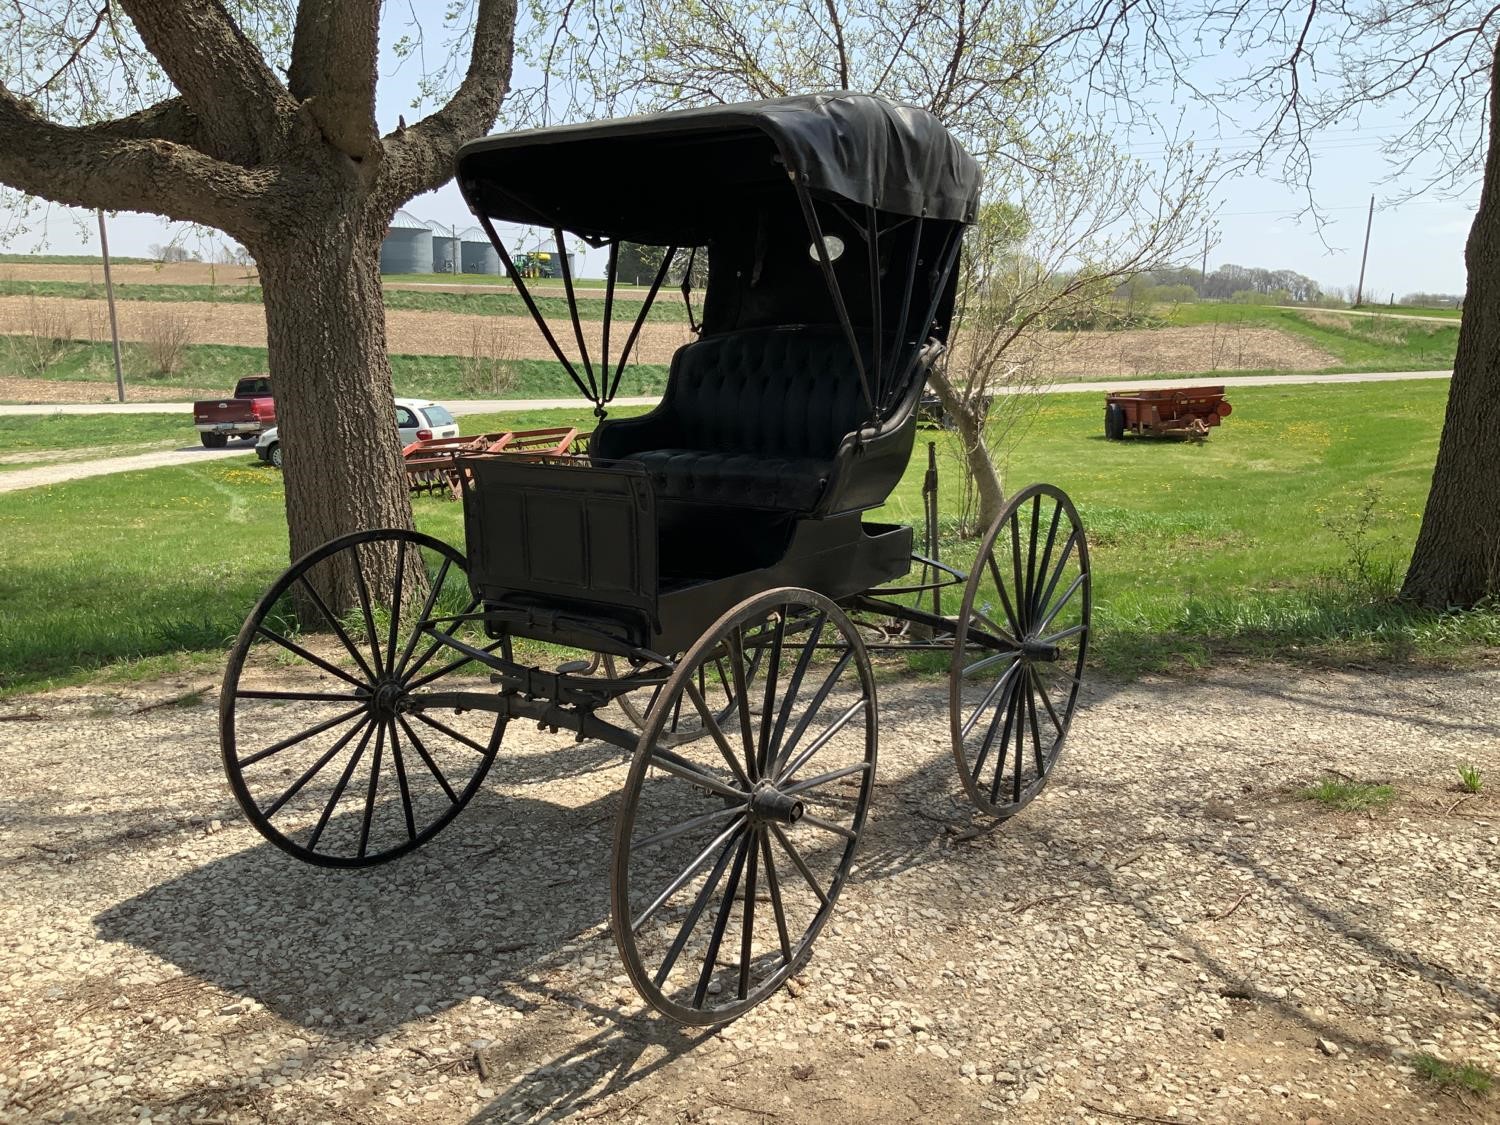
x=1167, y=934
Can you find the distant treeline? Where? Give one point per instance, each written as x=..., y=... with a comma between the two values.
x=1254, y=285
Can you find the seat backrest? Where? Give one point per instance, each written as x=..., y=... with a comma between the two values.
x=790, y=392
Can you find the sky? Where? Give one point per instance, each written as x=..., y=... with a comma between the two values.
x=1415, y=244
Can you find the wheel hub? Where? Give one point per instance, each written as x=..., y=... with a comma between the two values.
x=769, y=804
x=386, y=702
x=1036, y=650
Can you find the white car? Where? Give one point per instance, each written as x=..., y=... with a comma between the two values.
x=416, y=420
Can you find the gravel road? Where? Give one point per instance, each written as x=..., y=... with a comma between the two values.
x=1167, y=934
x=59, y=472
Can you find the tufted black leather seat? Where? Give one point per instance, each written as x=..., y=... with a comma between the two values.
x=749, y=419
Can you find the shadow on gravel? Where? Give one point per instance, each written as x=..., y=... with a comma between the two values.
x=488, y=907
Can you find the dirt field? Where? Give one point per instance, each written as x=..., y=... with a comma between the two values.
x=1095, y=354
x=1168, y=934
x=175, y=273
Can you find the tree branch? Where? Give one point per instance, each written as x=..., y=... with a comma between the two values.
x=218, y=70
x=122, y=165
x=420, y=158
x=334, y=69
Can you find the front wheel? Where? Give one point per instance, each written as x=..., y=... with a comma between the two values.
x=332, y=740
x=730, y=851
x=275, y=455
x=1018, y=650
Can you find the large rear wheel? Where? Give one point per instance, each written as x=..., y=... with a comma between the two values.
x=730, y=851
x=326, y=740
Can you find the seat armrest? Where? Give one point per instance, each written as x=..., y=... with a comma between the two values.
x=615, y=439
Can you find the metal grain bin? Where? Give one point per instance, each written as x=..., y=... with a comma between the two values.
x=407, y=247
x=477, y=255
x=445, y=253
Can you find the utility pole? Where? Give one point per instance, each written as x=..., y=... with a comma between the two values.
x=109, y=296
x=1359, y=292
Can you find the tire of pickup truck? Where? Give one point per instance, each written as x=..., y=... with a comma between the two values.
x=214, y=441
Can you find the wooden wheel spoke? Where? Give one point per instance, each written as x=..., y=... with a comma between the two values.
x=794, y=685
x=1015, y=555
x=773, y=887
x=687, y=826
x=797, y=861
x=819, y=698
x=1057, y=606
x=439, y=642
x=338, y=790
x=989, y=661
x=721, y=922
x=1010, y=611
x=364, y=828
x=1025, y=596
x=742, y=702
x=1007, y=710
x=335, y=625
x=313, y=696
x=399, y=761
x=990, y=697
x=293, y=647
x=826, y=825
x=1036, y=733
x=1004, y=744
x=1062, y=565
x=822, y=740
x=747, y=925
x=438, y=725
x=302, y=736
x=396, y=605
x=717, y=734
x=824, y=778
x=725, y=840
x=432, y=766
x=773, y=673
x=312, y=771
x=364, y=605
x=674, y=764
x=1041, y=688
x=1071, y=631
x=432, y=597
x=1020, y=745
x=695, y=912
x=1057, y=512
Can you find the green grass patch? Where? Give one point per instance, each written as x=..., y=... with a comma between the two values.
x=626, y=307
x=52, y=432
x=1262, y=542
x=1470, y=778
x=1349, y=796
x=1413, y=310
x=71, y=260
x=1361, y=343
x=1453, y=1077
x=209, y=366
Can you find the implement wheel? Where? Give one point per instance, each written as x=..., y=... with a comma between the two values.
x=325, y=739
x=731, y=851
x=1018, y=651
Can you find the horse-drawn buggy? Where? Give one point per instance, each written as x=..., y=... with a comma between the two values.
x=706, y=586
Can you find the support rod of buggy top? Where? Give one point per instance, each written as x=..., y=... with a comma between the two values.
x=583, y=348
x=640, y=320
x=815, y=229
x=937, y=296
x=609, y=308
x=911, y=277
x=877, y=311
x=530, y=302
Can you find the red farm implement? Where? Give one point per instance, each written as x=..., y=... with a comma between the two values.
x=432, y=466
x=1186, y=410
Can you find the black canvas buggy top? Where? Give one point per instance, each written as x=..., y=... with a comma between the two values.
x=832, y=225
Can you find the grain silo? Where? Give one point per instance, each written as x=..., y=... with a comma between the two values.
x=445, y=253
x=407, y=247
x=477, y=254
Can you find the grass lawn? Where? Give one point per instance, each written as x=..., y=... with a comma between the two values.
x=89, y=435
x=1361, y=343
x=1243, y=546
x=208, y=366
x=627, y=304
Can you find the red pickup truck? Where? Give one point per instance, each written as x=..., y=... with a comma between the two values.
x=250, y=411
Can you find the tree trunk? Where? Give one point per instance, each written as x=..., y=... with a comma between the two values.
x=969, y=416
x=1456, y=562
x=325, y=334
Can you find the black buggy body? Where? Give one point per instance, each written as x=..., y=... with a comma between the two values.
x=704, y=587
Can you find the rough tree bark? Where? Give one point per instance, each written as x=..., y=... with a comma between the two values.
x=298, y=172
x=1456, y=562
